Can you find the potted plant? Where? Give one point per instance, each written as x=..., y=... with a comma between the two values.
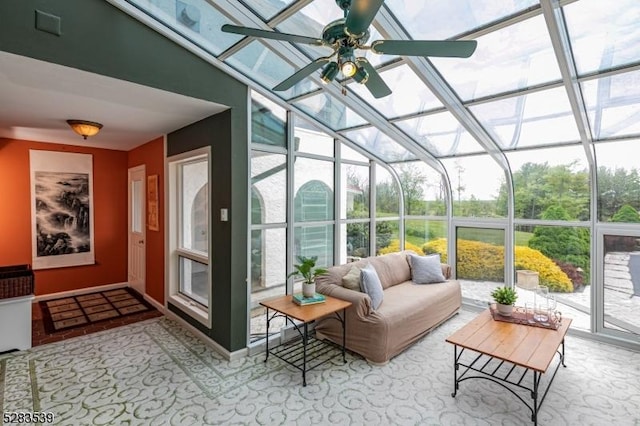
x=307, y=268
x=505, y=297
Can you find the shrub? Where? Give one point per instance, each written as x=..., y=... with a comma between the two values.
x=482, y=261
x=394, y=247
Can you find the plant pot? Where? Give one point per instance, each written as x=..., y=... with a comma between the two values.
x=504, y=310
x=308, y=290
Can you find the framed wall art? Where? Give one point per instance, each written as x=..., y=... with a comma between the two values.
x=152, y=203
x=61, y=209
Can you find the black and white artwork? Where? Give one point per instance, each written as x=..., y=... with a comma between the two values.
x=62, y=209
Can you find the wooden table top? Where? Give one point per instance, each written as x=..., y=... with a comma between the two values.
x=528, y=346
x=306, y=313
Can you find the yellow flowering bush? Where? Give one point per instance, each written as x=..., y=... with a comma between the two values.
x=394, y=247
x=482, y=261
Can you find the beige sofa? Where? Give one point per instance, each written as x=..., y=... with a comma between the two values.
x=408, y=310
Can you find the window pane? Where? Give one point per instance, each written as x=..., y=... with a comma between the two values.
x=533, y=119
x=354, y=241
x=618, y=181
x=261, y=64
x=313, y=181
x=269, y=187
x=387, y=236
x=417, y=232
x=330, y=111
x=268, y=122
x=268, y=260
x=441, y=134
x=475, y=182
x=387, y=193
x=315, y=241
x=309, y=139
x=355, y=192
x=604, y=35
x=622, y=283
x=194, y=280
x=514, y=57
x=424, y=189
x=613, y=105
x=379, y=144
x=550, y=183
x=136, y=204
x=195, y=206
x=351, y=154
x=434, y=19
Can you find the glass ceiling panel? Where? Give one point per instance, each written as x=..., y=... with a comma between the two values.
x=264, y=66
x=613, y=105
x=376, y=142
x=267, y=9
x=604, y=34
x=440, y=134
x=410, y=95
x=330, y=111
x=437, y=19
x=515, y=57
x=310, y=21
x=538, y=118
x=198, y=21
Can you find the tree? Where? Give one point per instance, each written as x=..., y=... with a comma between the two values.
x=540, y=186
x=626, y=214
x=412, y=182
x=562, y=243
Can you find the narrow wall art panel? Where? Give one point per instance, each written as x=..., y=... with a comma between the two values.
x=61, y=209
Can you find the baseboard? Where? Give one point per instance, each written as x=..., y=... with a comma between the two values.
x=229, y=356
x=78, y=292
x=153, y=302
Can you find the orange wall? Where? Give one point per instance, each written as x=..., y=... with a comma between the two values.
x=152, y=156
x=110, y=216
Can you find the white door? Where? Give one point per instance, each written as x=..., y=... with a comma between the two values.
x=137, y=228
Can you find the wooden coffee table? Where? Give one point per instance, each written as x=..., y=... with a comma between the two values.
x=505, y=353
x=310, y=352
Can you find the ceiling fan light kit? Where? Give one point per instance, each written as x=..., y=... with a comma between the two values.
x=351, y=33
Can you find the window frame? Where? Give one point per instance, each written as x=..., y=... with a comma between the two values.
x=176, y=251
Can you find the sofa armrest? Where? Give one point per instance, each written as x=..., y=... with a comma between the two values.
x=361, y=302
x=446, y=271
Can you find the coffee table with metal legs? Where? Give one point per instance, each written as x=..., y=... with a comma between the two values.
x=508, y=354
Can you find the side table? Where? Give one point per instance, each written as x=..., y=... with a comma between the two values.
x=309, y=352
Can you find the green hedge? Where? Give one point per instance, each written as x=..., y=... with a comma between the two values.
x=485, y=262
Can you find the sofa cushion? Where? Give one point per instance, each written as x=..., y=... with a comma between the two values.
x=426, y=269
x=392, y=268
x=352, y=279
x=371, y=285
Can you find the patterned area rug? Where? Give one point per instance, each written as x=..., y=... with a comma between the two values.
x=157, y=373
x=76, y=311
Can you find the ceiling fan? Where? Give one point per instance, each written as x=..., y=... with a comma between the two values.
x=348, y=34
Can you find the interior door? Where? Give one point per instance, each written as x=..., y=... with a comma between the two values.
x=137, y=253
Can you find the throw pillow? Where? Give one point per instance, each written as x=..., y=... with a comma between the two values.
x=370, y=284
x=352, y=279
x=426, y=269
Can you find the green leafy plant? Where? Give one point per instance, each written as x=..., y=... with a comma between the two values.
x=504, y=295
x=307, y=269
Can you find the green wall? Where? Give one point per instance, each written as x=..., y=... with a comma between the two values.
x=97, y=37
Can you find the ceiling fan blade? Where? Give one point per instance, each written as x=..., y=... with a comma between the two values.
x=255, y=32
x=360, y=16
x=444, y=48
x=374, y=83
x=300, y=74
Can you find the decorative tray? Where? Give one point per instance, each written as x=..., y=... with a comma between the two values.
x=521, y=316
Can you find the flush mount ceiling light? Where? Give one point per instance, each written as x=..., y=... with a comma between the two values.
x=85, y=128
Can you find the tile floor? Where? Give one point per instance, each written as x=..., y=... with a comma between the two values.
x=39, y=336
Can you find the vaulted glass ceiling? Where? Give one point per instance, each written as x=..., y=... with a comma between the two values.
x=545, y=73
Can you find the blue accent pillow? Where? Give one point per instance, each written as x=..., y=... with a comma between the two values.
x=426, y=269
x=371, y=285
